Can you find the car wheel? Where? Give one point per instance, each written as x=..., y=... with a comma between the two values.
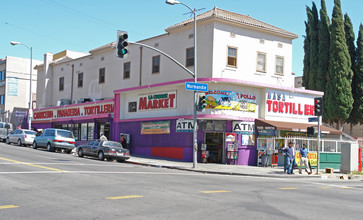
x=19, y=143
x=50, y=148
x=80, y=152
x=35, y=145
x=101, y=155
x=7, y=141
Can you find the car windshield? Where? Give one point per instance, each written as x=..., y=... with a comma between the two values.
x=30, y=132
x=66, y=134
x=111, y=144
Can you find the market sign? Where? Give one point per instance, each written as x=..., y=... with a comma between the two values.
x=158, y=101
x=238, y=101
x=243, y=126
x=74, y=111
x=155, y=127
x=183, y=125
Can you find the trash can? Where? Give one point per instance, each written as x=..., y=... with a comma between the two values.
x=264, y=160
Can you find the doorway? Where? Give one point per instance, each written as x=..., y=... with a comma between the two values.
x=214, y=142
x=103, y=127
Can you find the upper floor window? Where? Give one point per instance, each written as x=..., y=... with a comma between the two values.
x=2, y=99
x=232, y=57
x=156, y=64
x=61, y=83
x=2, y=75
x=80, y=79
x=190, y=57
x=261, y=62
x=101, y=77
x=279, y=65
x=127, y=69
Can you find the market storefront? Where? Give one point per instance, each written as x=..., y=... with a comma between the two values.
x=85, y=120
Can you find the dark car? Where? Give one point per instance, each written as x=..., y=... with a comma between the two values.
x=104, y=149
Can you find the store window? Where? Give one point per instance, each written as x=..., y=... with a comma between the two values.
x=190, y=57
x=232, y=57
x=75, y=131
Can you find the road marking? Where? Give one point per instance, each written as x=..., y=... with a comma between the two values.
x=325, y=187
x=345, y=187
x=288, y=188
x=216, y=191
x=124, y=197
x=33, y=165
x=8, y=206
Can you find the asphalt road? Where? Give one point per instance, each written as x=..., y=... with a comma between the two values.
x=36, y=184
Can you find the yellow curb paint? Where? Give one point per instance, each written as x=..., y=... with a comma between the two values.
x=216, y=191
x=30, y=164
x=288, y=188
x=8, y=206
x=124, y=197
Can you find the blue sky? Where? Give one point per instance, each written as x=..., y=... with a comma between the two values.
x=82, y=25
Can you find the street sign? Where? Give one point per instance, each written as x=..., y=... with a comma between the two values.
x=196, y=86
x=314, y=119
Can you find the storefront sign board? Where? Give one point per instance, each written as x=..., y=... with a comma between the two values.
x=231, y=100
x=183, y=125
x=157, y=101
x=243, y=126
x=155, y=127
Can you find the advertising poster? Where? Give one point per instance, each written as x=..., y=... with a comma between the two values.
x=313, y=159
x=230, y=137
x=155, y=127
x=219, y=99
x=12, y=86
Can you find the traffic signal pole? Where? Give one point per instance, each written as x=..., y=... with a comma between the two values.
x=318, y=151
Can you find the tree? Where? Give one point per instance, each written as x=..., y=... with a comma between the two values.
x=339, y=93
x=306, y=70
x=313, y=21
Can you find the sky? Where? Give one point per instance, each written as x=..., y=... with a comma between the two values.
x=82, y=25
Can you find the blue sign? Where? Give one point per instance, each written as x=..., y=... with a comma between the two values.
x=315, y=119
x=196, y=86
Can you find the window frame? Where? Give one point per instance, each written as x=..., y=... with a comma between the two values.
x=61, y=83
x=153, y=66
x=283, y=65
x=235, y=58
x=189, y=61
x=80, y=81
x=264, y=64
x=102, y=75
x=127, y=72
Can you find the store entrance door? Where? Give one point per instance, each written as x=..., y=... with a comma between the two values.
x=214, y=142
x=103, y=127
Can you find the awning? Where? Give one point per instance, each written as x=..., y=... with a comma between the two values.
x=291, y=126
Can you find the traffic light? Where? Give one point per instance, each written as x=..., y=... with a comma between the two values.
x=201, y=102
x=311, y=131
x=318, y=106
x=122, y=43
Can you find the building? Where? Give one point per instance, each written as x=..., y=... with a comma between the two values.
x=14, y=87
x=246, y=63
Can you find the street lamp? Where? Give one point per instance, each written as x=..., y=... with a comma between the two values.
x=195, y=145
x=30, y=113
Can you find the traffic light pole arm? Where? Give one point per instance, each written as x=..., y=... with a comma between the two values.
x=165, y=54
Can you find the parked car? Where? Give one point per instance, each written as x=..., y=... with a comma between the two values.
x=5, y=129
x=53, y=139
x=21, y=137
x=104, y=149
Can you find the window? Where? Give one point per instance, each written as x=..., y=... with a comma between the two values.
x=261, y=62
x=80, y=80
x=2, y=75
x=190, y=57
x=101, y=78
x=279, y=65
x=156, y=64
x=86, y=131
x=2, y=99
x=127, y=69
x=61, y=83
x=232, y=57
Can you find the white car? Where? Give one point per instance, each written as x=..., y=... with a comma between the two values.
x=21, y=137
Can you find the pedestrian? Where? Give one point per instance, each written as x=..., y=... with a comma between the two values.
x=304, y=159
x=289, y=157
x=123, y=142
x=103, y=137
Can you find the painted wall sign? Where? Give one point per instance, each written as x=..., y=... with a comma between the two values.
x=12, y=86
x=243, y=126
x=219, y=99
x=155, y=127
x=184, y=125
x=165, y=100
x=76, y=111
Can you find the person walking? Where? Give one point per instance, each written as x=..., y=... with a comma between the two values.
x=289, y=157
x=103, y=137
x=304, y=159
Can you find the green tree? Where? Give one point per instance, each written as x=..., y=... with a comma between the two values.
x=306, y=69
x=313, y=20
x=339, y=93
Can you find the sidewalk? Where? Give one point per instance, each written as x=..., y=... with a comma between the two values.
x=225, y=169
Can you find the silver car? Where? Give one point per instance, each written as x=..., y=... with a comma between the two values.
x=21, y=137
x=53, y=139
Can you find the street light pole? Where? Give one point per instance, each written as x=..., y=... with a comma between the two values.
x=195, y=135
x=30, y=112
